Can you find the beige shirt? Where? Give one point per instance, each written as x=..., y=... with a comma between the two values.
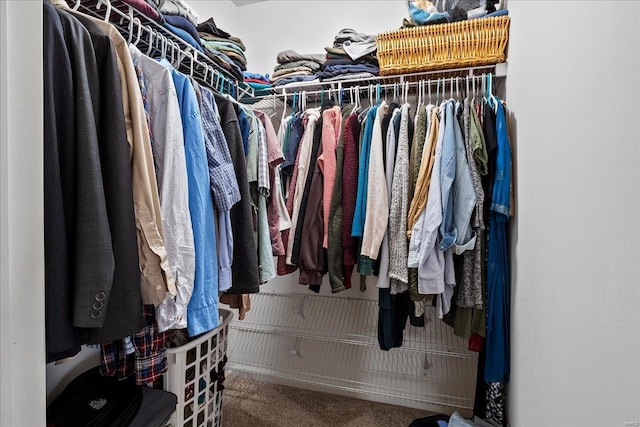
x=156, y=276
x=421, y=194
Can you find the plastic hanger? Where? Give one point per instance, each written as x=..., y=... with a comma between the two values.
x=213, y=75
x=107, y=5
x=139, y=24
x=164, y=43
x=150, y=47
x=77, y=5
x=191, y=58
x=406, y=93
x=284, y=110
x=129, y=26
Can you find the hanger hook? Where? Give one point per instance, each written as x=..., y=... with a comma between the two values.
x=107, y=5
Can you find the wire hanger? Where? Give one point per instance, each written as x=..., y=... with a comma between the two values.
x=77, y=5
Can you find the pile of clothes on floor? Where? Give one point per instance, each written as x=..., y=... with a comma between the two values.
x=352, y=56
x=294, y=67
x=424, y=12
x=455, y=420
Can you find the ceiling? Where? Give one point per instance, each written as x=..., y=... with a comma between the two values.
x=245, y=2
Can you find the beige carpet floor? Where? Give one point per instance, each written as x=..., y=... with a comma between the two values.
x=251, y=403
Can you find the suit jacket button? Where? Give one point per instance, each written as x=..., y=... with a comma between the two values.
x=100, y=296
x=98, y=305
x=96, y=314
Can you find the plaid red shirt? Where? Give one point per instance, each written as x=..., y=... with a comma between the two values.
x=147, y=363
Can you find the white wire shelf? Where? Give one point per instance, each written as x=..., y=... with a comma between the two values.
x=409, y=375
x=345, y=320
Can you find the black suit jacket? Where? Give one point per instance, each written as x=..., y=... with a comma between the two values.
x=59, y=125
x=124, y=316
x=92, y=256
x=244, y=270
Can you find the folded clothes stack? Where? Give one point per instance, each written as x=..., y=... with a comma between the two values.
x=259, y=82
x=179, y=18
x=223, y=48
x=353, y=55
x=296, y=67
x=148, y=7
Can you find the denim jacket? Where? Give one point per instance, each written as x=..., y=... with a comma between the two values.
x=456, y=187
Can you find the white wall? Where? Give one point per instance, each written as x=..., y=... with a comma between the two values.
x=224, y=13
x=574, y=91
x=22, y=356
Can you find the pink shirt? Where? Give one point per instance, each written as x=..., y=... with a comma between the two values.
x=331, y=123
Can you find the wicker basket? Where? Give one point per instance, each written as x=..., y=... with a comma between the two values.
x=443, y=46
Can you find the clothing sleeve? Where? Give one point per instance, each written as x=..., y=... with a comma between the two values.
x=224, y=184
x=225, y=250
x=93, y=263
x=311, y=261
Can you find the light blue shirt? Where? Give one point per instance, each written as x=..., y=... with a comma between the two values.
x=357, y=228
x=202, y=311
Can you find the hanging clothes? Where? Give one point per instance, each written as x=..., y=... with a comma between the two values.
x=349, y=195
x=390, y=160
x=223, y=182
x=304, y=163
x=245, y=275
x=202, y=309
x=398, y=245
x=171, y=173
x=58, y=96
x=335, y=254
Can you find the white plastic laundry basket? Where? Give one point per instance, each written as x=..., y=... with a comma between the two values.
x=195, y=375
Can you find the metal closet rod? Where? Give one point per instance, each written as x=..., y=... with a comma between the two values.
x=184, y=57
x=427, y=78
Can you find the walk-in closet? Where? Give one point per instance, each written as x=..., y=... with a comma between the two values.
x=331, y=213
